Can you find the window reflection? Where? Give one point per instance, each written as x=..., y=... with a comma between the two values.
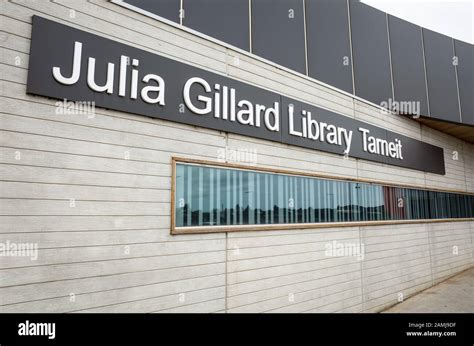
x=208, y=196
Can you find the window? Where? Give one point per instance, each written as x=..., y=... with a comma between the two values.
x=210, y=196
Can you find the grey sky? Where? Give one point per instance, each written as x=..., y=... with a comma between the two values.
x=450, y=17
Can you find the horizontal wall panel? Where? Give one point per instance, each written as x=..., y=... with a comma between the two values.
x=68, y=271
x=465, y=54
x=28, y=190
x=329, y=51
x=168, y=9
x=10, y=224
x=18, y=207
x=278, y=32
x=370, y=53
x=441, y=76
x=406, y=48
x=112, y=252
x=225, y=20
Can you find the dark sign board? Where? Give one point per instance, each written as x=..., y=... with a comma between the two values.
x=67, y=63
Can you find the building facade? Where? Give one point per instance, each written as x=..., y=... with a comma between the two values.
x=140, y=193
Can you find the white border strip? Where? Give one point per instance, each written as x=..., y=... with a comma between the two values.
x=424, y=68
x=305, y=38
x=350, y=45
x=457, y=80
x=390, y=56
x=250, y=26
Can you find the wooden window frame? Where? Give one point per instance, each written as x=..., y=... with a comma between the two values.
x=272, y=227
